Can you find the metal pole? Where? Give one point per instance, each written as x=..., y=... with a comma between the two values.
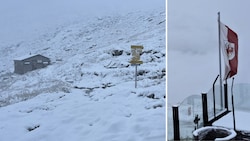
x=214, y=94
x=204, y=109
x=233, y=104
x=226, y=92
x=225, y=95
x=176, y=125
x=135, y=75
x=220, y=61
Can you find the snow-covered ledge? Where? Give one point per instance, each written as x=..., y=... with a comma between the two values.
x=214, y=133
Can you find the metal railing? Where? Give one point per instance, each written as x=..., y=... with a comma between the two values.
x=181, y=118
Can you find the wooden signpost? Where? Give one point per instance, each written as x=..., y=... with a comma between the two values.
x=136, y=51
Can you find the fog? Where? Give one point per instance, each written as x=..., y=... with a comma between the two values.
x=22, y=20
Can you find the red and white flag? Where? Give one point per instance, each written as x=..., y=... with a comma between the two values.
x=229, y=47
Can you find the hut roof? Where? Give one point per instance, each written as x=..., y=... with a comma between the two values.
x=27, y=56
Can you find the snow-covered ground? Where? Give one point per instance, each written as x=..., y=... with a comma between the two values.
x=88, y=93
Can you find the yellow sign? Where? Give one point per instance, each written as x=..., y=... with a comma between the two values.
x=136, y=62
x=136, y=53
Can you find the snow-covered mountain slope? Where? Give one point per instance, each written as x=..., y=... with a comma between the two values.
x=88, y=93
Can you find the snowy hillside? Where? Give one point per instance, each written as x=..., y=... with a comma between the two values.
x=88, y=93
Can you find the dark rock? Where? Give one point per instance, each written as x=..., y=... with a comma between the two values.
x=142, y=72
x=117, y=52
x=128, y=53
x=33, y=128
x=151, y=96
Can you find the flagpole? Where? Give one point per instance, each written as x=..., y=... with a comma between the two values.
x=220, y=61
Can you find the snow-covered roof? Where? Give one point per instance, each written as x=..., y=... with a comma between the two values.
x=26, y=56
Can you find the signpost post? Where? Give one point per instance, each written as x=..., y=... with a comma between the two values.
x=136, y=51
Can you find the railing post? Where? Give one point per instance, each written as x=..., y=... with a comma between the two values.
x=214, y=95
x=204, y=109
x=225, y=95
x=176, y=125
x=226, y=92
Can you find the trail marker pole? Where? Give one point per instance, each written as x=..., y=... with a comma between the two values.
x=136, y=51
x=136, y=76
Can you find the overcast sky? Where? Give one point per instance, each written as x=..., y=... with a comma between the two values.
x=197, y=20
x=193, y=43
x=22, y=18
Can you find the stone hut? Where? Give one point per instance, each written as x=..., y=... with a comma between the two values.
x=31, y=62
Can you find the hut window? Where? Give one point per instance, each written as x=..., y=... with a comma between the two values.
x=46, y=63
x=39, y=61
x=26, y=63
